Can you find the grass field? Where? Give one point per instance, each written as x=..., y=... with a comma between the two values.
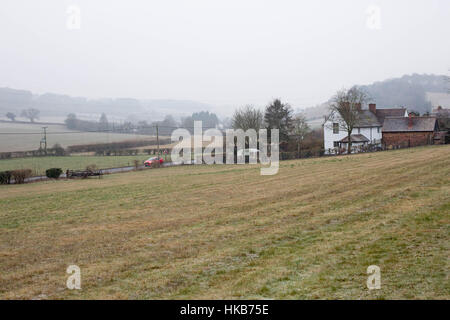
x=40, y=164
x=200, y=232
x=30, y=141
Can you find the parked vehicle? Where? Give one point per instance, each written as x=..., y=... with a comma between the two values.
x=152, y=161
x=248, y=152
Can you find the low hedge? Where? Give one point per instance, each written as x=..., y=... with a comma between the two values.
x=19, y=176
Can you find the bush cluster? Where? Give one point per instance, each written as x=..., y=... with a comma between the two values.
x=53, y=173
x=56, y=150
x=105, y=147
x=92, y=168
x=20, y=175
x=5, y=177
x=5, y=155
x=126, y=152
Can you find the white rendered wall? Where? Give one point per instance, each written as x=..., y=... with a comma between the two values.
x=372, y=133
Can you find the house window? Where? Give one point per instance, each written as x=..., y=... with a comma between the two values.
x=336, y=144
x=359, y=130
x=378, y=129
x=335, y=128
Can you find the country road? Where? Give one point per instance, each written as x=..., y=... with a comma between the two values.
x=104, y=171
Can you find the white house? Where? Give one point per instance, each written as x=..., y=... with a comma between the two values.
x=368, y=130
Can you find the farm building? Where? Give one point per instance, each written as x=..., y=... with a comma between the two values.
x=358, y=141
x=411, y=131
x=389, y=128
x=443, y=118
x=367, y=131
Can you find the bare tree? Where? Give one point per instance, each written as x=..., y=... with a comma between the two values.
x=31, y=114
x=300, y=130
x=11, y=116
x=248, y=117
x=345, y=110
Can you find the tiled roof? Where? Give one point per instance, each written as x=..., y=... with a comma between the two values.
x=401, y=124
x=367, y=119
x=355, y=138
x=384, y=113
x=441, y=112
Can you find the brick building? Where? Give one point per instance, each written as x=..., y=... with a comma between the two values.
x=411, y=131
x=443, y=119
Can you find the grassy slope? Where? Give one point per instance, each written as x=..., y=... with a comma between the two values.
x=228, y=232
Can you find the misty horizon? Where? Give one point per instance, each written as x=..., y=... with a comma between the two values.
x=222, y=54
x=262, y=105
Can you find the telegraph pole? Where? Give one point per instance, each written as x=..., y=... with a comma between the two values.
x=45, y=139
x=157, y=138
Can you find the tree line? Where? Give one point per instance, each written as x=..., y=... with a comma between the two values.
x=294, y=130
x=30, y=114
x=164, y=127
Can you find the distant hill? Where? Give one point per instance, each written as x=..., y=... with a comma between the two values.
x=317, y=112
x=409, y=91
x=439, y=99
x=58, y=105
x=415, y=92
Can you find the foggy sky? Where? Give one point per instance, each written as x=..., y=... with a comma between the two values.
x=227, y=52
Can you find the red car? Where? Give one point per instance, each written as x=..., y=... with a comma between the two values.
x=149, y=162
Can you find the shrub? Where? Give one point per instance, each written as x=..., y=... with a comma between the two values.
x=53, y=173
x=92, y=168
x=19, y=176
x=156, y=164
x=5, y=155
x=58, y=150
x=115, y=145
x=5, y=177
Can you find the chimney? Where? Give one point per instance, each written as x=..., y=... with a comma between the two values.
x=410, y=120
x=358, y=106
x=373, y=108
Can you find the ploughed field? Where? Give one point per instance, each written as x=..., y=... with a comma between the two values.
x=225, y=231
x=27, y=136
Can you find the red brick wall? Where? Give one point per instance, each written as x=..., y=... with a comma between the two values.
x=407, y=139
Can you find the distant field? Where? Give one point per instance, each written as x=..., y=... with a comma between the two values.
x=171, y=145
x=316, y=123
x=30, y=141
x=225, y=231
